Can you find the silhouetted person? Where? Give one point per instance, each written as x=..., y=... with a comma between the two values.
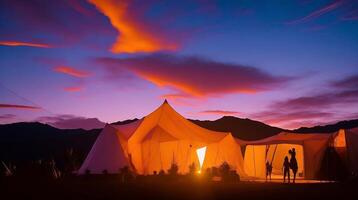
x=286, y=170
x=268, y=170
x=293, y=163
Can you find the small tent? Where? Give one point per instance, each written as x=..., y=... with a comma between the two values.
x=310, y=150
x=107, y=154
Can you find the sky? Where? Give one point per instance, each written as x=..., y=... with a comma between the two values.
x=74, y=63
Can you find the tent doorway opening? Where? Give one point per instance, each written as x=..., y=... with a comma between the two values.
x=256, y=157
x=201, y=157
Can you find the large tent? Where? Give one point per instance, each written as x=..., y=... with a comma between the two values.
x=159, y=140
x=310, y=150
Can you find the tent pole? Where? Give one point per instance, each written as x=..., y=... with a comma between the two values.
x=273, y=155
x=253, y=151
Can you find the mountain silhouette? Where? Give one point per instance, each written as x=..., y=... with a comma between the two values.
x=34, y=141
x=245, y=129
x=347, y=124
x=125, y=121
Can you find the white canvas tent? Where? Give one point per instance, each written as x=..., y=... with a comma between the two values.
x=165, y=137
x=106, y=154
x=157, y=141
x=310, y=149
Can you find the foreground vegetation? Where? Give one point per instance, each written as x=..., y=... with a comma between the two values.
x=167, y=187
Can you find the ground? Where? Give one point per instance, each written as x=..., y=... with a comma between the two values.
x=111, y=188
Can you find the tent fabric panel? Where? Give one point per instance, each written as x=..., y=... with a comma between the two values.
x=151, y=160
x=128, y=129
x=287, y=138
x=313, y=155
x=352, y=149
x=254, y=160
x=106, y=154
x=230, y=152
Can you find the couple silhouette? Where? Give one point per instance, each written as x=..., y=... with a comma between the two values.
x=292, y=164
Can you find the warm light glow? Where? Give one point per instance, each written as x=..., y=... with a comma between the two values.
x=201, y=156
x=340, y=139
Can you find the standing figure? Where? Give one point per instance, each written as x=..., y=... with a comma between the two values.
x=286, y=170
x=293, y=163
x=268, y=170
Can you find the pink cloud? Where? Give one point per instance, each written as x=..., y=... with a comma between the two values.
x=289, y=119
x=7, y=116
x=319, y=101
x=71, y=71
x=26, y=44
x=73, y=89
x=21, y=107
x=194, y=76
x=219, y=112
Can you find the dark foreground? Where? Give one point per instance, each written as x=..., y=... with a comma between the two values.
x=111, y=188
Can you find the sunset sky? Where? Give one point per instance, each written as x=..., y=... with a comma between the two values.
x=285, y=63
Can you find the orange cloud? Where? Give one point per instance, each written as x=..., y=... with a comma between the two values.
x=173, y=96
x=15, y=106
x=71, y=71
x=133, y=36
x=194, y=76
x=219, y=112
x=73, y=89
x=27, y=44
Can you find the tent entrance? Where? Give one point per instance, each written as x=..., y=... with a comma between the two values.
x=256, y=157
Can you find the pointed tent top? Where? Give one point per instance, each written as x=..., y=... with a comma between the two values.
x=165, y=101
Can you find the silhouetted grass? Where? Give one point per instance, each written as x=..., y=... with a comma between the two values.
x=165, y=187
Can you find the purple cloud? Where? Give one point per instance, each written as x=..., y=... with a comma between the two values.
x=65, y=22
x=7, y=116
x=71, y=122
x=347, y=82
x=315, y=108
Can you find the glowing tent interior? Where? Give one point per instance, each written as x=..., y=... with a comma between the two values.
x=310, y=149
x=157, y=141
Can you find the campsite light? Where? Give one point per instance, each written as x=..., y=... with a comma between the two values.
x=201, y=156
